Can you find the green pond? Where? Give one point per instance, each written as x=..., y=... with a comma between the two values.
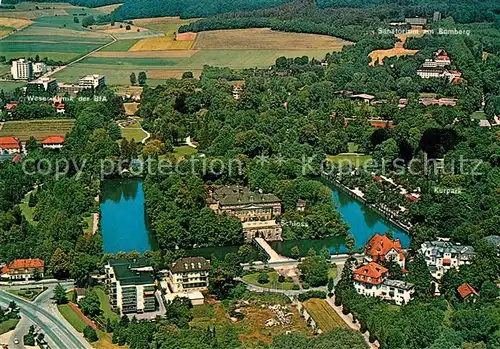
x=124, y=224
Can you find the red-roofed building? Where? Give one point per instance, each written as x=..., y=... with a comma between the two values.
x=23, y=269
x=16, y=158
x=380, y=248
x=382, y=124
x=372, y=280
x=467, y=292
x=371, y=273
x=411, y=197
x=9, y=145
x=53, y=142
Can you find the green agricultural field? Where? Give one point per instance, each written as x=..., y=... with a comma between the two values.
x=42, y=48
x=323, y=314
x=39, y=129
x=56, y=39
x=115, y=74
x=120, y=46
x=239, y=59
x=131, y=62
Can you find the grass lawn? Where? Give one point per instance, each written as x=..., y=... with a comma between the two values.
x=9, y=86
x=273, y=281
x=105, y=306
x=40, y=129
x=26, y=210
x=8, y=325
x=349, y=159
x=133, y=131
x=324, y=316
x=28, y=294
x=478, y=115
x=184, y=151
x=90, y=223
x=72, y=317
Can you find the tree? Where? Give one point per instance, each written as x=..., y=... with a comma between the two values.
x=133, y=78
x=127, y=27
x=330, y=284
x=90, y=305
x=187, y=75
x=60, y=264
x=314, y=270
x=349, y=243
x=90, y=334
x=76, y=20
x=142, y=79
x=60, y=295
x=31, y=144
x=295, y=252
x=263, y=278
x=418, y=274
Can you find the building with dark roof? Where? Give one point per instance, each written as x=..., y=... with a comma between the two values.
x=442, y=255
x=248, y=206
x=130, y=286
x=189, y=274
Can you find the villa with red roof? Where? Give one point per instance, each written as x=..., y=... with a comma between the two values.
x=380, y=248
x=9, y=145
x=372, y=280
x=53, y=142
x=22, y=269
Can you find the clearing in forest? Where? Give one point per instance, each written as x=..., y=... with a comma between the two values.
x=398, y=50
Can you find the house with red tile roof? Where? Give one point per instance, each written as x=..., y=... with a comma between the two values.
x=467, y=292
x=9, y=145
x=53, y=142
x=372, y=280
x=22, y=269
x=380, y=248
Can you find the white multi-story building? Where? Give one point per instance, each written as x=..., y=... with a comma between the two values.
x=92, y=81
x=45, y=84
x=443, y=255
x=22, y=69
x=130, y=286
x=372, y=280
x=189, y=274
x=398, y=291
x=39, y=68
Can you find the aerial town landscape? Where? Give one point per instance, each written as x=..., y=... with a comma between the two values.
x=264, y=174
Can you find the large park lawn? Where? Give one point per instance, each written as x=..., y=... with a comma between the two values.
x=273, y=281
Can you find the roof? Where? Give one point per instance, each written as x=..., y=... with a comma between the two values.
x=370, y=273
x=53, y=140
x=11, y=106
x=439, y=247
x=23, y=264
x=80, y=291
x=465, y=290
x=380, y=245
x=363, y=96
x=9, y=143
x=134, y=272
x=237, y=195
x=399, y=284
x=382, y=124
x=411, y=197
x=190, y=264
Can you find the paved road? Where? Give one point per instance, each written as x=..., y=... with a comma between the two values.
x=59, y=333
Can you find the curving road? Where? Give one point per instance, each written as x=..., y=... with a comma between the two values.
x=55, y=329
